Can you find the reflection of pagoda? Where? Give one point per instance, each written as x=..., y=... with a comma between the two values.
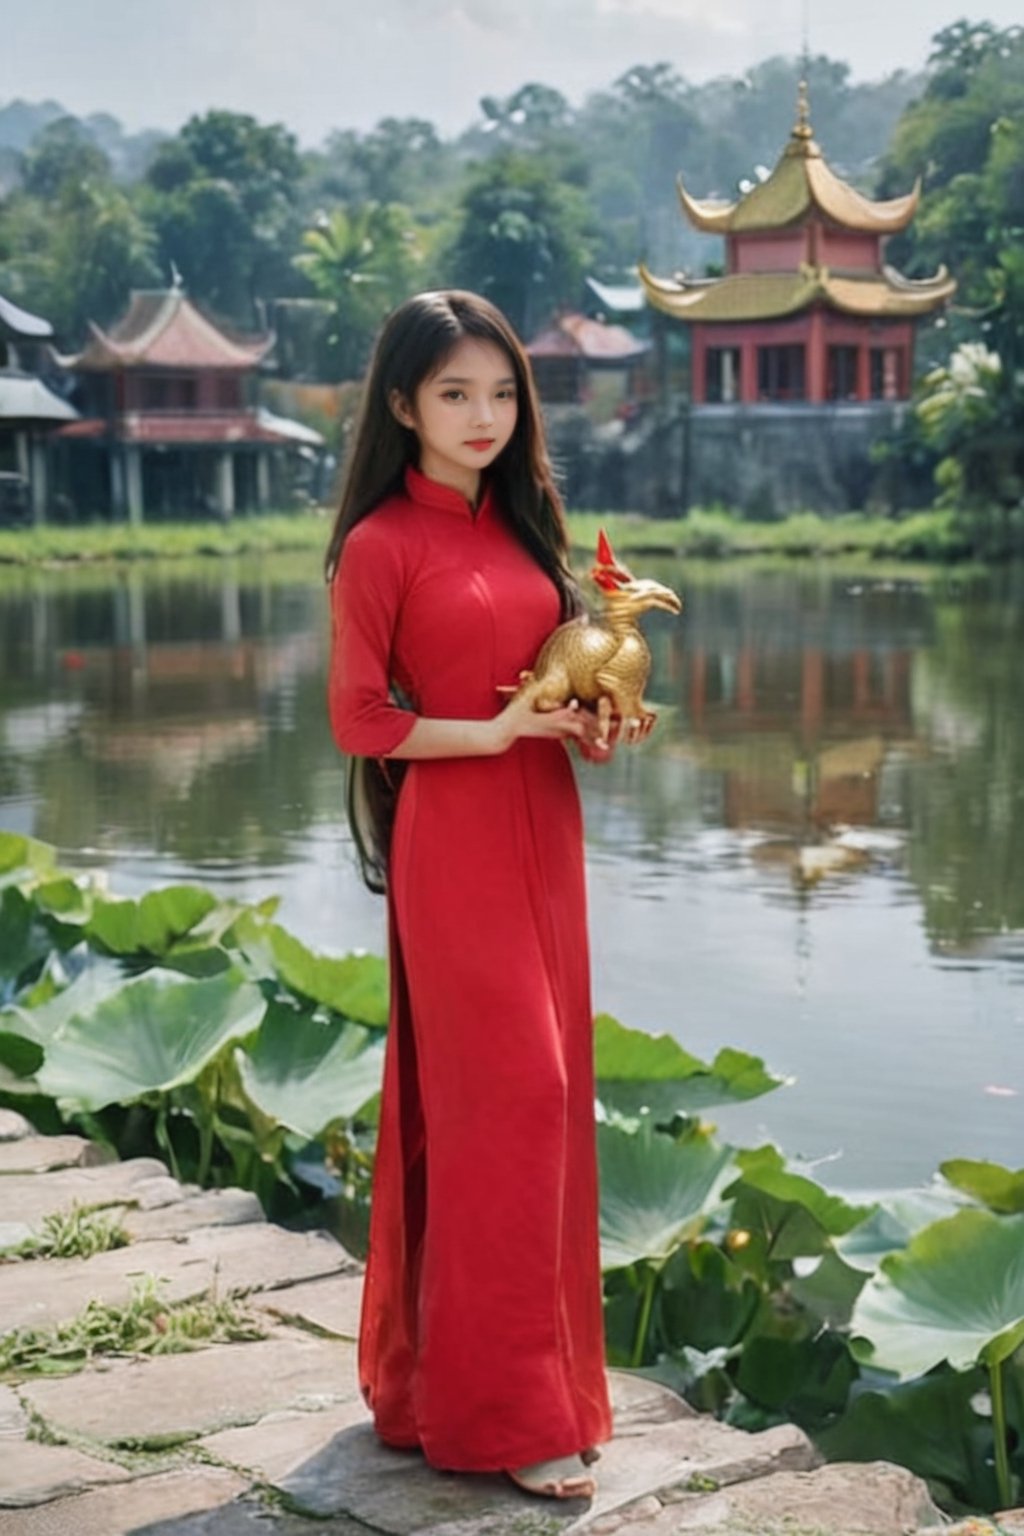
x=806, y=315
x=806, y=310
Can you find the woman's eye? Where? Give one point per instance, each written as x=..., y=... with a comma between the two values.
x=452, y=394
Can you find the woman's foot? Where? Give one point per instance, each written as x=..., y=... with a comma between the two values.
x=564, y=1478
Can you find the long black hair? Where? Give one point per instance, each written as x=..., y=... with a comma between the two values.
x=414, y=345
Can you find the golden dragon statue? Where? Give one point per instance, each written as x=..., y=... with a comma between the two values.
x=603, y=662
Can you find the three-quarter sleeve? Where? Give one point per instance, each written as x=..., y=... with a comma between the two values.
x=366, y=594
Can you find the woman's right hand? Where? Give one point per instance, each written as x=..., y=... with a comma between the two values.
x=519, y=718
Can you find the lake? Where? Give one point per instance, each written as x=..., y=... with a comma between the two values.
x=819, y=856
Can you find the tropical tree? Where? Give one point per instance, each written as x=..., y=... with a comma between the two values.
x=523, y=239
x=363, y=260
x=222, y=198
x=965, y=137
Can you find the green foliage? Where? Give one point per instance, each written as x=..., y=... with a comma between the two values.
x=765, y=1297
x=76, y=1233
x=363, y=259
x=638, y=1070
x=189, y=1027
x=523, y=239
x=965, y=136
x=999, y=1188
x=146, y=1325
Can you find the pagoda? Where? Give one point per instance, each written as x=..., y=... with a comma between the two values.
x=807, y=309
x=169, y=409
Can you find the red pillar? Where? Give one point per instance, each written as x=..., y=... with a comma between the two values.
x=815, y=364
x=698, y=685
x=748, y=372
x=864, y=371
x=812, y=694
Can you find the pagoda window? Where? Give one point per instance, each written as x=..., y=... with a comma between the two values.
x=168, y=394
x=885, y=373
x=781, y=373
x=722, y=375
x=841, y=375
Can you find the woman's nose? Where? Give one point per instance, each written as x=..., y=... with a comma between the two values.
x=483, y=412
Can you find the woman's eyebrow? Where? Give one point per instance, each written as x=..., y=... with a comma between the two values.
x=450, y=378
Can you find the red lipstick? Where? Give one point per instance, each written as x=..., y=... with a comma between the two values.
x=481, y=444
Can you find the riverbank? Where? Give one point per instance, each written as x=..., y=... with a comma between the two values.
x=930, y=536
x=256, y=1423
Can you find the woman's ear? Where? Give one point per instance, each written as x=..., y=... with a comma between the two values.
x=400, y=409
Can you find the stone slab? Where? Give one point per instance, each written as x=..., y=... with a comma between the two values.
x=281, y=1443
x=257, y=1257
x=330, y=1305
x=13, y=1126
x=32, y=1472
x=37, y=1154
x=128, y=1509
x=29, y=1197
x=249, y=1517
x=665, y=1459
x=167, y=1399
x=207, y=1208
x=638, y=1403
x=869, y=1499
x=398, y=1493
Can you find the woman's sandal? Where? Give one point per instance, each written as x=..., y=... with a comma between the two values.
x=557, y=1479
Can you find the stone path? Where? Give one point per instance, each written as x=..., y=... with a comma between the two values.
x=271, y=1437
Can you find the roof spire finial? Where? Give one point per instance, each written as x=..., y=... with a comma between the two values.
x=177, y=282
x=802, y=127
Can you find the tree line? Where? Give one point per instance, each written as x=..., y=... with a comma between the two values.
x=538, y=193
x=531, y=197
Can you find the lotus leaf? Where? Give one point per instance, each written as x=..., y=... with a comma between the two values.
x=356, y=986
x=24, y=941
x=1001, y=1189
x=893, y=1223
x=637, y=1070
x=790, y=1214
x=654, y=1191
x=955, y=1293
x=23, y=860
x=929, y=1425
x=306, y=1073
x=151, y=925
x=153, y=1034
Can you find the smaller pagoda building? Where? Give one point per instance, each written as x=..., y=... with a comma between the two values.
x=170, y=422
x=30, y=412
x=807, y=309
x=580, y=360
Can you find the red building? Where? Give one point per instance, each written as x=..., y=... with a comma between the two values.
x=169, y=408
x=807, y=309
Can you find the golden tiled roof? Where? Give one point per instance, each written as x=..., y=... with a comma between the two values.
x=800, y=182
x=772, y=295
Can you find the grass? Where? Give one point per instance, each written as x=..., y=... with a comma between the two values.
x=931, y=535
x=145, y=1325
x=76, y=1233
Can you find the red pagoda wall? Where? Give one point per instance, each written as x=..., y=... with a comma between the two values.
x=815, y=330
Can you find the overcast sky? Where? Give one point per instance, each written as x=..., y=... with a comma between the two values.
x=322, y=64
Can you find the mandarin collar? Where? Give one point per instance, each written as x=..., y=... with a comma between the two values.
x=431, y=493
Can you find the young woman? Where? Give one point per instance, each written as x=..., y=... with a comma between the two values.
x=481, y=1337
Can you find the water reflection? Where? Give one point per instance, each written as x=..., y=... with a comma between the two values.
x=819, y=856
